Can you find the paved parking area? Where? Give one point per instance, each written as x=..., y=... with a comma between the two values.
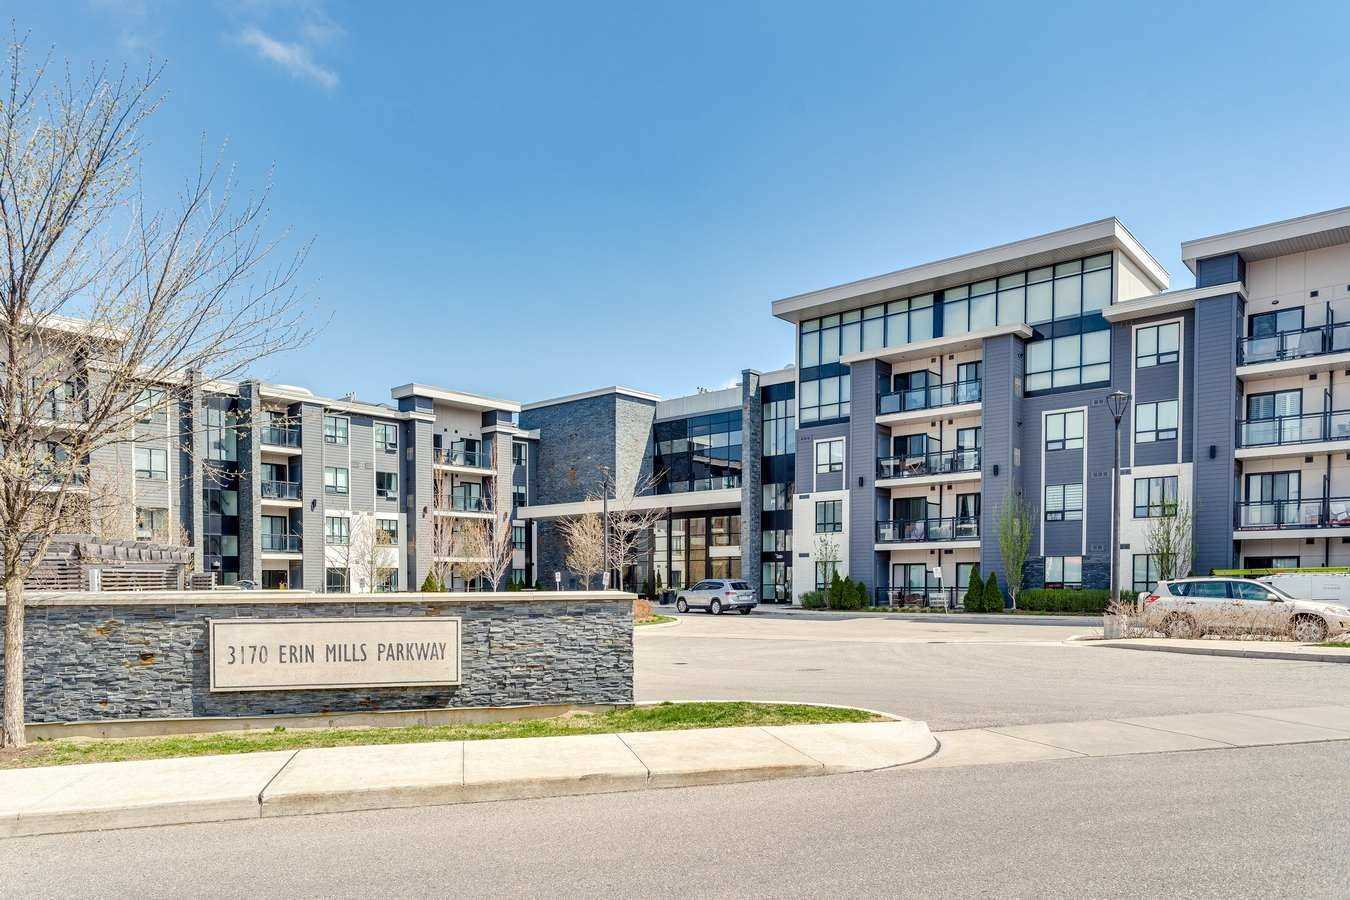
x=956, y=675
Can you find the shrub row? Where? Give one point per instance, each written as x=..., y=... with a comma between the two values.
x=1067, y=600
x=983, y=596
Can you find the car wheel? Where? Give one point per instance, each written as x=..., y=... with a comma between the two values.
x=682, y=605
x=715, y=607
x=745, y=610
x=1178, y=627
x=1309, y=629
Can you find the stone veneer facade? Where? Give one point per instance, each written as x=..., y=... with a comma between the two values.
x=118, y=657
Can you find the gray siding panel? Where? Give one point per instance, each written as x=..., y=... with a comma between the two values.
x=1216, y=407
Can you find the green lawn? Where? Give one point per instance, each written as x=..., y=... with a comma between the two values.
x=1334, y=644
x=655, y=620
x=662, y=717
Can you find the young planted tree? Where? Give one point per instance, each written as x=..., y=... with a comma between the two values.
x=1170, y=538
x=584, y=542
x=630, y=526
x=1016, y=528
x=104, y=302
x=487, y=547
x=369, y=552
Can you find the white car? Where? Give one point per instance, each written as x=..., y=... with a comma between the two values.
x=716, y=595
x=1193, y=607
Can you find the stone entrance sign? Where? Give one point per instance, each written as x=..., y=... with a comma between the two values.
x=333, y=653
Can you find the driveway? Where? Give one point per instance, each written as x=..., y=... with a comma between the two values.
x=956, y=675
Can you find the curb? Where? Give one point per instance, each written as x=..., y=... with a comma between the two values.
x=193, y=790
x=968, y=618
x=1312, y=656
x=657, y=624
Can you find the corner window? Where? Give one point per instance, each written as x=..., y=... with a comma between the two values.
x=829, y=516
x=1064, y=571
x=1154, y=496
x=1064, y=431
x=1068, y=361
x=1155, y=422
x=1157, y=345
x=335, y=430
x=1063, y=502
x=830, y=456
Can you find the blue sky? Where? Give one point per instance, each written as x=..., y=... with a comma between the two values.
x=616, y=192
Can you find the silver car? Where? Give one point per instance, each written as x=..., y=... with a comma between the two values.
x=716, y=595
x=1194, y=607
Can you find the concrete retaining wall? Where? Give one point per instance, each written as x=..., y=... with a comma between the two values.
x=132, y=656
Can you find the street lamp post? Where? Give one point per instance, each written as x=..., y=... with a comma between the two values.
x=604, y=524
x=1116, y=402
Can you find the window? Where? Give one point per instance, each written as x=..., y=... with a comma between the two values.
x=1064, y=431
x=1068, y=361
x=1063, y=502
x=829, y=516
x=386, y=581
x=776, y=540
x=152, y=463
x=1272, y=323
x=335, y=480
x=222, y=431
x=1155, y=422
x=386, y=532
x=150, y=400
x=777, y=496
x=826, y=398
x=830, y=456
x=335, y=580
x=386, y=485
x=699, y=453
x=825, y=570
x=151, y=524
x=1157, y=345
x=518, y=453
x=1147, y=572
x=1153, y=497
x=519, y=495
x=386, y=437
x=1064, y=571
x=780, y=432
x=1270, y=562
x=518, y=537
x=337, y=530
x=335, y=430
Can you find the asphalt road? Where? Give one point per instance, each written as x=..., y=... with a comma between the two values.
x=956, y=675
x=1268, y=822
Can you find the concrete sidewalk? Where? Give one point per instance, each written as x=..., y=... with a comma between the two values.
x=1241, y=649
x=98, y=796
x=1147, y=734
x=765, y=610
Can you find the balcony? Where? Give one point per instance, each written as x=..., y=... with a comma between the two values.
x=469, y=459
x=928, y=597
x=936, y=396
x=949, y=462
x=927, y=531
x=1279, y=515
x=280, y=543
x=275, y=436
x=1318, y=340
x=1284, y=431
x=280, y=490
x=460, y=503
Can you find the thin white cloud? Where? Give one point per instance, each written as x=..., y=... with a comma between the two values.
x=295, y=58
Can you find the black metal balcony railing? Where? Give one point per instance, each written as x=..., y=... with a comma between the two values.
x=933, y=397
x=281, y=543
x=941, y=463
x=276, y=436
x=281, y=490
x=477, y=459
x=959, y=528
x=1308, y=428
x=1318, y=512
x=1314, y=341
x=928, y=597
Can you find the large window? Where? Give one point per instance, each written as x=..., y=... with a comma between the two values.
x=780, y=432
x=830, y=456
x=1069, y=361
x=826, y=398
x=1147, y=572
x=518, y=453
x=335, y=479
x=335, y=430
x=776, y=540
x=1064, y=431
x=1155, y=422
x=829, y=516
x=152, y=463
x=386, y=532
x=518, y=537
x=777, y=496
x=1153, y=497
x=1064, y=571
x=335, y=580
x=337, y=530
x=1157, y=345
x=699, y=453
x=1063, y=502
x=386, y=437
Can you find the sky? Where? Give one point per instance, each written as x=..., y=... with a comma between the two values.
x=531, y=199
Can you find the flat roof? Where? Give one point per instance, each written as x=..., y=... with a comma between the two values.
x=461, y=399
x=1314, y=231
x=1029, y=253
x=598, y=392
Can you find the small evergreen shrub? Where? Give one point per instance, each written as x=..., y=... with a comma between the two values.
x=430, y=584
x=993, y=595
x=813, y=600
x=1064, y=600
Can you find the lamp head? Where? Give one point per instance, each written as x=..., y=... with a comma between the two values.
x=1117, y=401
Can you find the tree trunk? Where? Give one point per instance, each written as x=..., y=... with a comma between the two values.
x=12, y=734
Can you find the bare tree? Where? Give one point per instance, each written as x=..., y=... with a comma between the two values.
x=487, y=547
x=1016, y=527
x=369, y=551
x=1171, y=539
x=630, y=526
x=103, y=301
x=584, y=540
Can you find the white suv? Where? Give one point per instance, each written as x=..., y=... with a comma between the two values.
x=716, y=595
x=1193, y=607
